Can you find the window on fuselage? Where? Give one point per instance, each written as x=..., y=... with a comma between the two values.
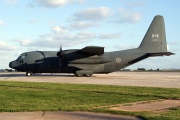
x=24, y=55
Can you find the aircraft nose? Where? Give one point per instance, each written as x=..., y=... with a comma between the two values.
x=12, y=64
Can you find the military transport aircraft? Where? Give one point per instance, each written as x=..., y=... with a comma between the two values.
x=92, y=59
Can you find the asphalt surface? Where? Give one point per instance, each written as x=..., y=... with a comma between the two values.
x=149, y=79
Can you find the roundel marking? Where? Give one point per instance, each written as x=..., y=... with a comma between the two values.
x=118, y=60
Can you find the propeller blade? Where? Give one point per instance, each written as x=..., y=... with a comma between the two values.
x=60, y=55
x=60, y=52
x=60, y=48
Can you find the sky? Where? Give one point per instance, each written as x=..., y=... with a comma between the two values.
x=30, y=25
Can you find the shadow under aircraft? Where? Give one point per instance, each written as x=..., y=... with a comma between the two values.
x=92, y=59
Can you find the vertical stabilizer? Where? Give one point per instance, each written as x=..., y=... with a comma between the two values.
x=155, y=39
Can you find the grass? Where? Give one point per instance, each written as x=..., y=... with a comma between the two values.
x=26, y=96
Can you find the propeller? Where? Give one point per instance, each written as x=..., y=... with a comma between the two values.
x=60, y=52
x=60, y=55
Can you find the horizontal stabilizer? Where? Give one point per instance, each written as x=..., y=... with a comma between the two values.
x=160, y=54
x=93, y=50
x=150, y=55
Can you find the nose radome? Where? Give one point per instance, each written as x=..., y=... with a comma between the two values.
x=13, y=64
x=10, y=64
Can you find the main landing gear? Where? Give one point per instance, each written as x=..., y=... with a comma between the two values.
x=81, y=75
x=28, y=73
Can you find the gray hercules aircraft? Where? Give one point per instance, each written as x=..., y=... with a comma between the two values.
x=92, y=59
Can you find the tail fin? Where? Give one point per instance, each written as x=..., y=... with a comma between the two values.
x=155, y=39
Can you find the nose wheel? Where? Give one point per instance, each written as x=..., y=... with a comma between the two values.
x=28, y=73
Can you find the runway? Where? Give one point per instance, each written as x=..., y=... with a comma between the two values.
x=148, y=79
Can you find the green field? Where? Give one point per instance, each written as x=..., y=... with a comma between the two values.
x=26, y=96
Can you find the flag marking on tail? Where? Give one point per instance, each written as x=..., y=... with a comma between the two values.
x=155, y=37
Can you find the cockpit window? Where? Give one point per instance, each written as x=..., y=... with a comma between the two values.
x=24, y=55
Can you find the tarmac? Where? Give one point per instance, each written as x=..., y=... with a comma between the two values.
x=147, y=79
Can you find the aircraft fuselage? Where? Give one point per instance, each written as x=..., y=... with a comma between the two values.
x=72, y=61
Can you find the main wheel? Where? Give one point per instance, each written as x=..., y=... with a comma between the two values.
x=88, y=75
x=28, y=73
x=78, y=75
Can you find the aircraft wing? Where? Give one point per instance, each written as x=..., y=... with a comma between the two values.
x=93, y=50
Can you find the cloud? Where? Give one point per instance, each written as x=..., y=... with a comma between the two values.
x=1, y=23
x=6, y=47
x=126, y=16
x=53, y=3
x=46, y=42
x=168, y=47
x=108, y=36
x=24, y=42
x=74, y=40
x=88, y=18
x=172, y=46
x=53, y=40
x=83, y=25
x=61, y=35
x=86, y=35
x=91, y=14
x=4, y=58
x=59, y=29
